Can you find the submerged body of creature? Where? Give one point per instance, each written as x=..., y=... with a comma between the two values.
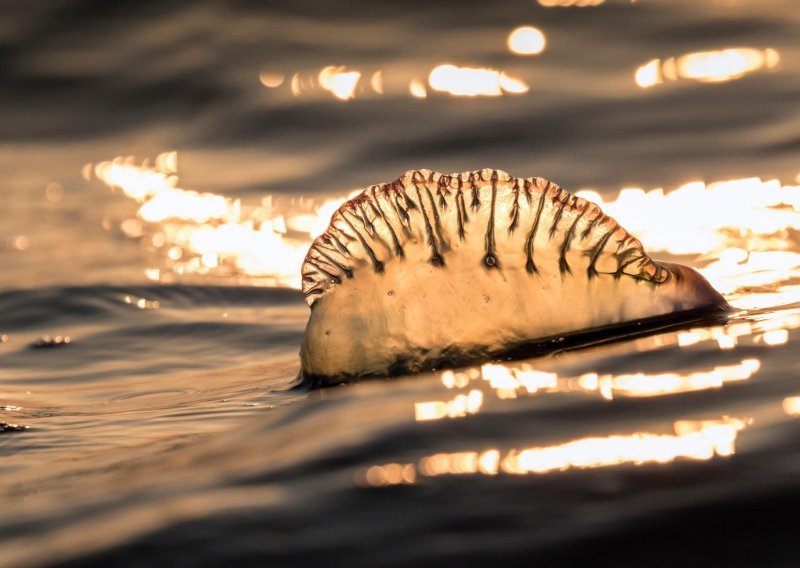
x=436, y=268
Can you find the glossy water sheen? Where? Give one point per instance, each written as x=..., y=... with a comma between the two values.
x=167, y=430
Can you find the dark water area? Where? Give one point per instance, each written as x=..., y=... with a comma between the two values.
x=150, y=408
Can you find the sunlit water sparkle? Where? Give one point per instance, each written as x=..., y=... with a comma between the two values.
x=150, y=316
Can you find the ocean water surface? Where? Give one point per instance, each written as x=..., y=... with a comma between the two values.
x=164, y=168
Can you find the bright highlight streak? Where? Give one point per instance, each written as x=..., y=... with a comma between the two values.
x=340, y=82
x=740, y=223
x=707, y=66
x=206, y=233
x=473, y=82
x=692, y=440
x=570, y=3
x=743, y=229
x=526, y=40
x=460, y=406
x=645, y=385
x=509, y=382
x=791, y=405
x=344, y=84
x=649, y=74
x=417, y=89
x=776, y=337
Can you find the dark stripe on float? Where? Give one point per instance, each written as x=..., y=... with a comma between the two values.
x=437, y=223
x=530, y=265
x=476, y=202
x=347, y=272
x=563, y=266
x=596, y=250
x=461, y=208
x=335, y=279
x=490, y=260
x=436, y=258
x=514, y=208
x=376, y=264
x=557, y=217
x=376, y=205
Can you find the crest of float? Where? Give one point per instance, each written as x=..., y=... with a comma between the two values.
x=433, y=269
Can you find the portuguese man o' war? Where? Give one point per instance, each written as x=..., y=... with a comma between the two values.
x=436, y=269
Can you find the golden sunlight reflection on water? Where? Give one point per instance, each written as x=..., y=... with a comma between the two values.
x=690, y=440
x=526, y=40
x=461, y=405
x=473, y=82
x=345, y=84
x=339, y=81
x=707, y=66
x=743, y=226
x=791, y=405
x=142, y=303
x=271, y=80
x=743, y=230
x=417, y=89
x=509, y=381
x=204, y=232
x=571, y=3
